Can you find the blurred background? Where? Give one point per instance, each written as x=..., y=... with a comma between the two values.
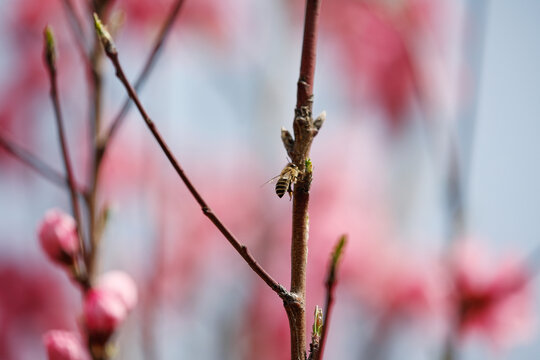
x=430, y=141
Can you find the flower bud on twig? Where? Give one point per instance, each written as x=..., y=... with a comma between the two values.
x=120, y=284
x=317, y=322
x=103, y=313
x=58, y=237
x=49, y=50
x=64, y=345
x=104, y=36
x=107, y=305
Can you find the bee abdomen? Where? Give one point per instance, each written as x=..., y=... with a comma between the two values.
x=281, y=187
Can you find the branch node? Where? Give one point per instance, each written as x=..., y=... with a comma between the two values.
x=302, y=82
x=292, y=300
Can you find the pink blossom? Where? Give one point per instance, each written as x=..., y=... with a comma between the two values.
x=121, y=285
x=34, y=298
x=58, y=236
x=107, y=305
x=386, y=50
x=400, y=284
x=104, y=311
x=64, y=345
x=490, y=299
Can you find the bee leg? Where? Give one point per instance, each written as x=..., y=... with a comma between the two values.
x=289, y=191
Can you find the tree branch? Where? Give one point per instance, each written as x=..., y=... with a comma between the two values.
x=96, y=61
x=112, y=54
x=309, y=52
x=304, y=132
x=38, y=165
x=101, y=141
x=330, y=286
x=50, y=57
x=77, y=30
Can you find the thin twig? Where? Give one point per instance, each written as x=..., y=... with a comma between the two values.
x=49, y=53
x=38, y=165
x=96, y=61
x=459, y=168
x=304, y=132
x=449, y=349
x=77, y=30
x=330, y=286
x=112, y=54
x=148, y=66
x=101, y=142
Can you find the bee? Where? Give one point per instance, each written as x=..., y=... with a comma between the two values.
x=287, y=179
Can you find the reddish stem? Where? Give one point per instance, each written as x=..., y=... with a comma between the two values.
x=330, y=287
x=65, y=153
x=241, y=249
x=309, y=53
x=304, y=131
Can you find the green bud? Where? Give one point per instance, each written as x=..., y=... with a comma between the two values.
x=104, y=36
x=309, y=166
x=338, y=250
x=318, y=321
x=49, y=47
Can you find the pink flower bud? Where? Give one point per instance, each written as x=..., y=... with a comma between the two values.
x=64, y=345
x=58, y=236
x=120, y=284
x=104, y=311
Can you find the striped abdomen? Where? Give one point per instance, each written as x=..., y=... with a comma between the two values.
x=282, y=186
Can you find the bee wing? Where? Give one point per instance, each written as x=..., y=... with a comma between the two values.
x=271, y=180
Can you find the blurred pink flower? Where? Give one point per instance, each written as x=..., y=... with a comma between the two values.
x=383, y=48
x=104, y=311
x=120, y=284
x=58, y=236
x=493, y=300
x=64, y=345
x=411, y=286
x=107, y=304
x=34, y=298
x=24, y=85
x=399, y=284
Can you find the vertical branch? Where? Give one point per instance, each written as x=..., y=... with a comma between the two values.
x=309, y=52
x=330, y=287
x=459, y=168
x=304, y=132
x=50, y=58
x=76, y=30
x=96, y=64
x=449, y=350
x=455, y=207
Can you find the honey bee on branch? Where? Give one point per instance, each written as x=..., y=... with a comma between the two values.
x=286, y=179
